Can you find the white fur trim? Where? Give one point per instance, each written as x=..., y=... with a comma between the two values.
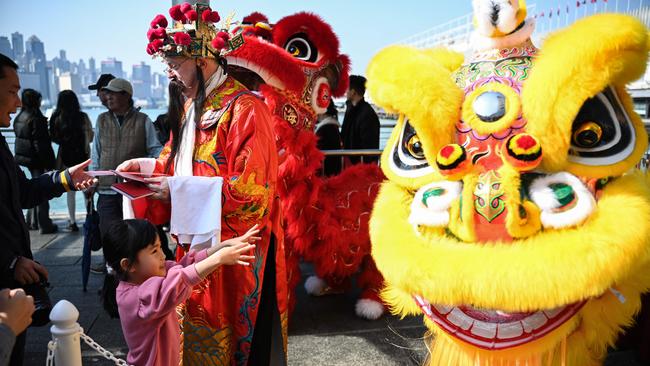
x=482, y=16
x=541, y=193
x=369, y=309
x=480, y=42
x=315, y=286
x=422, y=216
x=436, y=210
x=506, y=20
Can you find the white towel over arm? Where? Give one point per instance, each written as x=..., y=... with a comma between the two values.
x=196, y=210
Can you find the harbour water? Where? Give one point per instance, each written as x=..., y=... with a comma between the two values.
x=59, y=205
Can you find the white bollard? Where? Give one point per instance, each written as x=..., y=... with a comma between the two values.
x=65, y=333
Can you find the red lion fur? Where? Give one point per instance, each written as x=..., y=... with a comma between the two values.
x=326, y=220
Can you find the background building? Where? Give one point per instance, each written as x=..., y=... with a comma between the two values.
x=37, y=64
x=112, y=66
x=18, y=44
x=141, y=80
x=5, y=47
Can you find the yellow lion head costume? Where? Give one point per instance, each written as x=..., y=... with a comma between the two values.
x=512, y=217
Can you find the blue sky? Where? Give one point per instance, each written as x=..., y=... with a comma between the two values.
x=117, y=28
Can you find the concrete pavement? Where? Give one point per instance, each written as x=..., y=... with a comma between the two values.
x=323, y=331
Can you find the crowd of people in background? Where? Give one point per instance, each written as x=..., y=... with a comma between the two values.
x=121, y=133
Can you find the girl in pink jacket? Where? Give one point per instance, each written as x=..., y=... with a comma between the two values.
x=150, y=288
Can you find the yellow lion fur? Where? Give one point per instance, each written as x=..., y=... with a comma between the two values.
x=576, y=64
x=460, y=271
x=541, y=271
x=599, y=255
x=396, y=78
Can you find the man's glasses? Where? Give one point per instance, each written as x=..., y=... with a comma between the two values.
x=173, y=67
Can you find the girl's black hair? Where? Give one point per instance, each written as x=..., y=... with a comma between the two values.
x=123, y=240
x=175, y=113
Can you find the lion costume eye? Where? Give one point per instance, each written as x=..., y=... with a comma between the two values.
x=602, y=133
x=407, y=157
x=301, y=48
x=587, y=135
x=414, y=147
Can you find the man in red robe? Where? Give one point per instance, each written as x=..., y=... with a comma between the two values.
x=220, y=176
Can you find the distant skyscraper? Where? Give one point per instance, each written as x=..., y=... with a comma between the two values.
x=81, y=66
x=160, y=83
x=69, y=81
x=35, y=50
x=141, y=80
x=5, y=47
x=18, y=44
x=29, y=80
x=61, y=63
x=53, y=83
x=112, y=66
x=92, y=70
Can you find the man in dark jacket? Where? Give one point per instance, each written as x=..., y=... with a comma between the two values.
x=33, y=150
x=17, y=267
x=360, y=125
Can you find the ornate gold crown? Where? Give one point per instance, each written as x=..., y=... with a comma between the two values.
x=195, y=32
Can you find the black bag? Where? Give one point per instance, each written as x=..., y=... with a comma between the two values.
x=92, y=235
x=42, y=302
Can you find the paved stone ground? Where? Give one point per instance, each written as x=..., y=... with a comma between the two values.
x=323, y=331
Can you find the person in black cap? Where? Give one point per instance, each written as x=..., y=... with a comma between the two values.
x=103, y=80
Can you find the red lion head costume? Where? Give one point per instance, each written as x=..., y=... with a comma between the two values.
x=297, y=68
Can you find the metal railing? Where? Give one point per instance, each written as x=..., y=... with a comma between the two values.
x=363, y=154
x=456, y=33
x=9, y=135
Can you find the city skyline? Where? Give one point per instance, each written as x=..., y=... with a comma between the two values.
x=50, y=76
x=118, y=28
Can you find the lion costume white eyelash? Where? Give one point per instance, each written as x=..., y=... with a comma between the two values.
x=553, y=213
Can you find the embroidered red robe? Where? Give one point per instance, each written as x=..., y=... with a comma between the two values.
x=235, y=141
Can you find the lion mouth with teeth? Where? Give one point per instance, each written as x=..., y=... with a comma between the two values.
x=512, y=217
